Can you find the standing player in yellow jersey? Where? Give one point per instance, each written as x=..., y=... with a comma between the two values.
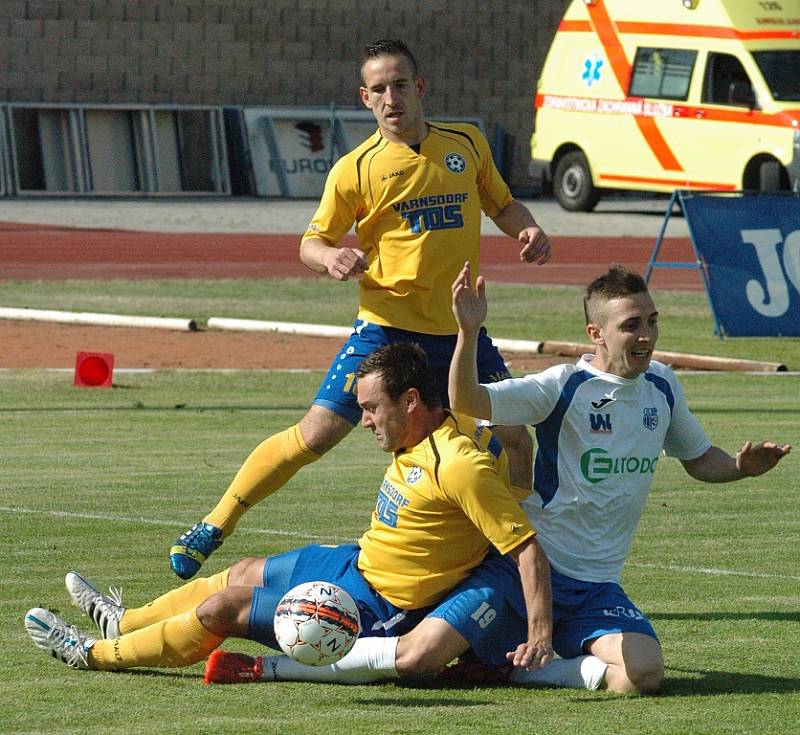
x=415, y=191
x=446, y=550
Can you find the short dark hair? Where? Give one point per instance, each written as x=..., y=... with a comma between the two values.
x=616, y=283
x=402, y=365
x=387, y=47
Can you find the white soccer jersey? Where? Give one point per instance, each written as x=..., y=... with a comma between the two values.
x=599, y=440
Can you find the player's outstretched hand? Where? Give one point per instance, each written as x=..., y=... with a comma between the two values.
x=346, y=262
x=531, y=655
x=535, y=246
x=469, y=304
x=756, y=459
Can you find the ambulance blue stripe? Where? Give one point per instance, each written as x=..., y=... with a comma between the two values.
x=664, y=386
x=545, y=474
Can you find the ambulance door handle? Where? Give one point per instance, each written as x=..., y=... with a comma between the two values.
x=700, y=113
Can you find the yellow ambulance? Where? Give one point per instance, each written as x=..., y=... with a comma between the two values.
x=658, y=95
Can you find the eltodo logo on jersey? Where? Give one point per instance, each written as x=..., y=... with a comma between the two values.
x=597, y=465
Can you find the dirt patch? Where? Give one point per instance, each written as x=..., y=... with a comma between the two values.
x=46, y=345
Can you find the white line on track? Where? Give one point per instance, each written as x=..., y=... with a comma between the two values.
x=341, y=539
x=158, y=522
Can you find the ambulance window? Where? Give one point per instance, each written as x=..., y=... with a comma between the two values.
x=781, y=70
x=662, y=73
x=726, y=82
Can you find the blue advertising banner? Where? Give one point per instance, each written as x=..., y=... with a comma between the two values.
x=750, y=246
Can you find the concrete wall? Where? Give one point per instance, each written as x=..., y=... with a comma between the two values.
x=481, y=57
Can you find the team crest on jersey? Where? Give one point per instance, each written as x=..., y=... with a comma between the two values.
x=455, y=162
x=414, y=475
x=650, y=418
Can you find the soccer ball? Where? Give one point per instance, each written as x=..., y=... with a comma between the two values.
x=316, y=623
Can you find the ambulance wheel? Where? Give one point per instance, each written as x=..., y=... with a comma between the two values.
x=769, y=176
x=572, y=183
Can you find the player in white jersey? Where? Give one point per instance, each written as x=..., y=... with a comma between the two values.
x=600, y=426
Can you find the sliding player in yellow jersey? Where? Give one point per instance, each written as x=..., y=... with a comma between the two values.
x=450, y=563
x=415, y=192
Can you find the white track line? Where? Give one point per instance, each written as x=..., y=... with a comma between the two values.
x=314, y=537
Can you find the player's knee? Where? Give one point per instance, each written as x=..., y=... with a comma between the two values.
x=247, y=572
x=226, y=613
x=428, y=648
x=322, y=429
x=642, y=676
x=647, y=678
x=417, y=660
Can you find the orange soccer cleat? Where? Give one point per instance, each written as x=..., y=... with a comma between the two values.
x=225, y=667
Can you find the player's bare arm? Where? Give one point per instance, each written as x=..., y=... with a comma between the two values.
x=752, y=460
x=469, y=308
x=534, y=572
x=516, y=221
x=338, y=262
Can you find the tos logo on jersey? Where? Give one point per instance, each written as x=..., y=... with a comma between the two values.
x=455, y=162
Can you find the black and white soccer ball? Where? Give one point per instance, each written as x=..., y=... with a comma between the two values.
x=317, y=623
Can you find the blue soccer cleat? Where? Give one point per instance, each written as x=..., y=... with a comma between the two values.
x=192, y=548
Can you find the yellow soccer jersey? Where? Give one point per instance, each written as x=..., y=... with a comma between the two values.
x=418, y=218
x=440, y=505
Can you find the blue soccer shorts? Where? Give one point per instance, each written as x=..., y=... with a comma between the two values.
x=488, y=609
x=337, y=391
x=335, y=564
x=583, y=611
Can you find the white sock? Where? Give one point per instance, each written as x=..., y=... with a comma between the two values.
x=370, y=660
x=583, y=672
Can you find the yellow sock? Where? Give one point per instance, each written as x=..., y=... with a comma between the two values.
x=270, y=466
x=174, y=602
x=178, y=641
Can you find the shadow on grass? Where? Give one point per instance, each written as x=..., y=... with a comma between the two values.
x=705, y=683
x=422, y=702
x=696, y=683
x=769, y=615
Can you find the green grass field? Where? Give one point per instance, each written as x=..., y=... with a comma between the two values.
x=103, y=480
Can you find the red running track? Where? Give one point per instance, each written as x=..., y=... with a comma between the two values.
x=42, y=252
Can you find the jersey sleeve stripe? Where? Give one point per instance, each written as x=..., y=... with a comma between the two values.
x=663, y=385
x=545, y=475
x=372, y=148
x=451, y=131
x=437, y=461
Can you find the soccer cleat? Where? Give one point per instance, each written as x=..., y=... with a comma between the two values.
x=192, y=548
x=224, y=667
x=105, y=611
x=56, y=637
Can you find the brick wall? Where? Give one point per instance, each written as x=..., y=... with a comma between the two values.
x=481, y=57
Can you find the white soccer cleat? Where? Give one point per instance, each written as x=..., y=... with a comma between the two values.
x=56, y=637
x=105, y=611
